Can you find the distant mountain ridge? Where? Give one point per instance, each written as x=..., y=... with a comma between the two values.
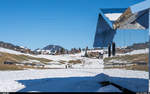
x=137, y=46
x=52, y=47
x=46, y=50
x=49, y=49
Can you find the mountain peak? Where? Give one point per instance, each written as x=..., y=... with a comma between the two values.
x=52, y=47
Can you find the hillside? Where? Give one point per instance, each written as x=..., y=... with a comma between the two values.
x=50, y=49
x=81, y=74
x=15, y=47
x=134, y=57
x=136, y=46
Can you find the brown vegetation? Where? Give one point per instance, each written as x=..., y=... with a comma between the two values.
x=93, y=54
x=14, y=59
x=62, y=61
x=130, y=58
x=10, y=67
x=140, y=61
x=19, y=58
x=132, y=67
x=75, y=61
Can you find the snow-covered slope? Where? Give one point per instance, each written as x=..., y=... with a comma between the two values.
x=141, y=51
x=9, y=51
x=66, y=80
x=4, y=50
x=84, y=78
x=86, y=62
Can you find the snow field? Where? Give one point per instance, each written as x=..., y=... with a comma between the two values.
x=84, y=77
x=71, y=79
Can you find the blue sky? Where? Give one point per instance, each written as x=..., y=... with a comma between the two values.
x=69, y=23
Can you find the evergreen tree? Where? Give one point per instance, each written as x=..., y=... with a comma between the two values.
x=80, y=49
x=62, y=51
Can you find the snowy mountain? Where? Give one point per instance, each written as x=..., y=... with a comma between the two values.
x=49, y=49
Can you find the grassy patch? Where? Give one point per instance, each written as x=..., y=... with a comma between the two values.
x=62, y=61
x=129, y=58
x=20, y=58
x=138, y=67
x=75, y=61
x=132, y=67
x=10, y=67
x=4, y=67
x=136, y=59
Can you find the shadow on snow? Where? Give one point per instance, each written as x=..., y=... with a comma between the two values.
x=81, y=84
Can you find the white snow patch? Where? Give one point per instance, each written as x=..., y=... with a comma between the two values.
x=117, y=61
x=55, y=66
x=10, y=85
x=141, y=51
x=9, y=51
